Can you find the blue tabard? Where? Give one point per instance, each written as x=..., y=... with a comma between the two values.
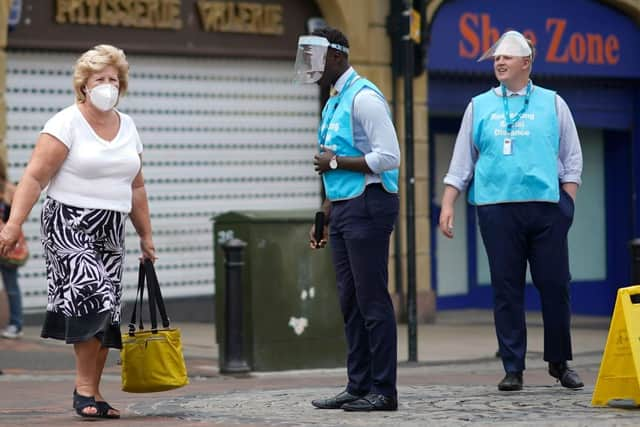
x=336, y=134
x=530, y=171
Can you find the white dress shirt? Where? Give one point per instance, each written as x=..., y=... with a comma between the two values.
x=373, y=131
x=465, y=152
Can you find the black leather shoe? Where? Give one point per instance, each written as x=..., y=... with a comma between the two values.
x=335, y=402
x=372, y=402
x=511, y=382
x=567, y=376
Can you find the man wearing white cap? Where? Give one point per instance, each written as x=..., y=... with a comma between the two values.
x=358, y=160
x=519, y=154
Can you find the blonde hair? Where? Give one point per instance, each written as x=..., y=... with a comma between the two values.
x=96, y=60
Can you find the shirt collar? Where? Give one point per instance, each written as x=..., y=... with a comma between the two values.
x=343, y=79
x=521, y=92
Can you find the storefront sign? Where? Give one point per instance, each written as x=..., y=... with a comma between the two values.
x=150, y=14
x=223, y=16
x=255, y=28
x=566, y=42
x=241, y=17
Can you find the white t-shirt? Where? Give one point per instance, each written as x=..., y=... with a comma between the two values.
x=96, y=174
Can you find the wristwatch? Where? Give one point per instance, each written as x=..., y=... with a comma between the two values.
x=333, y=163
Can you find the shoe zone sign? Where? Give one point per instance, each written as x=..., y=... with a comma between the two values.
x=572, y=37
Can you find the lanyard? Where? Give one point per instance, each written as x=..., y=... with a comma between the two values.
x=335, y=101
x=505, y=103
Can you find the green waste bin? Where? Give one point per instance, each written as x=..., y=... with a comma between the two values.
x=291, y=313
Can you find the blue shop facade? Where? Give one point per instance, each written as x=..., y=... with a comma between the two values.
x=587, y=51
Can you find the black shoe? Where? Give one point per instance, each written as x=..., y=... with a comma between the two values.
x=335, y=402
x=567, y=376
x=511, y=382
x=372, y=402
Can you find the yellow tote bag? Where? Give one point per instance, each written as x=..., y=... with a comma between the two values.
x=151, y=360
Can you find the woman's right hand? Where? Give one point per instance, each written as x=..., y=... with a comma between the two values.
x=148, y=250
x=9, y=237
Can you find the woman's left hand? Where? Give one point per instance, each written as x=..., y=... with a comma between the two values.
x=148, y=250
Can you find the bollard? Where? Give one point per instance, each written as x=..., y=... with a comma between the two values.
x=234, y=360
x=635, y=261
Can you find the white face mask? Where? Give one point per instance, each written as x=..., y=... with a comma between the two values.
x=104, y=97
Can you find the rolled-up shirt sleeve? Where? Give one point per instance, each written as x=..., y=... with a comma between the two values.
x=464, y=155
x=372, y=113
x=569, y=150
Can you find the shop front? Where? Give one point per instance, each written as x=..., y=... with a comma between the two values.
x=211, y=92
x=587, y=52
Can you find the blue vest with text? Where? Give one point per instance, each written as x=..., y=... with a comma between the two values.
x=336, y=134
x=529, y=170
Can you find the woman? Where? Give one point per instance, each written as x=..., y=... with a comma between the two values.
x=89, y=157
x=8, y=271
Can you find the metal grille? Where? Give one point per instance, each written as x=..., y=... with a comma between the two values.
x=218, y=135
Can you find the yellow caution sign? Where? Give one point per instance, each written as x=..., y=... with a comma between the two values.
x=619, y=375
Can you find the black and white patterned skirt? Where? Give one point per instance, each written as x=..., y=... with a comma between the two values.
x=84, y=254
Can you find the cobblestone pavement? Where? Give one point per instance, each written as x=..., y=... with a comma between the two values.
x=430, y=395
x=419, y=406
x=454, y=386
x=440, y=395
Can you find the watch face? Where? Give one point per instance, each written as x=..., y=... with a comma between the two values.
x=333, y=163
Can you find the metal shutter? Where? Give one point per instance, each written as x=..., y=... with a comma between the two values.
x=218, y=135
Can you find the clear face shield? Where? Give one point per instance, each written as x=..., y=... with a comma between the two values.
x=312, y=57
x=511, y=43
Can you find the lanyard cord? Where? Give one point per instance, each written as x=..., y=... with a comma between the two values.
x=505, y=104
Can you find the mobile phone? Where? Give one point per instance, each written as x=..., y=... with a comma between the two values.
x=319, y=232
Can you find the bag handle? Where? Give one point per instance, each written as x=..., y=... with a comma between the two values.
x=139, y=297
x=155, y=296
x=146, y=272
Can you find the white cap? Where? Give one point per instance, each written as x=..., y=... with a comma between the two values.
x=511, y=43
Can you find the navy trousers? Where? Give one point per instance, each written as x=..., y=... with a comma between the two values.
x=534, y=232
x=360, y=230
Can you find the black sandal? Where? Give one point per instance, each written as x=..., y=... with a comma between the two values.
x=104, y=408
x=81, y=402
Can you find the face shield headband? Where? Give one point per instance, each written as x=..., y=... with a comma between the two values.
x=311, y=58
x=511, y=43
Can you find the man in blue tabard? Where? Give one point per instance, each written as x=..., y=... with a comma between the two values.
x=519, y=153
x=358, y=160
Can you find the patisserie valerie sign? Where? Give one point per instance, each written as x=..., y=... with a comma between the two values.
x=215, y=28
x=215, y=16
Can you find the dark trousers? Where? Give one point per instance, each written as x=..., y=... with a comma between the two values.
x=514, y=233
x=360, y=230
